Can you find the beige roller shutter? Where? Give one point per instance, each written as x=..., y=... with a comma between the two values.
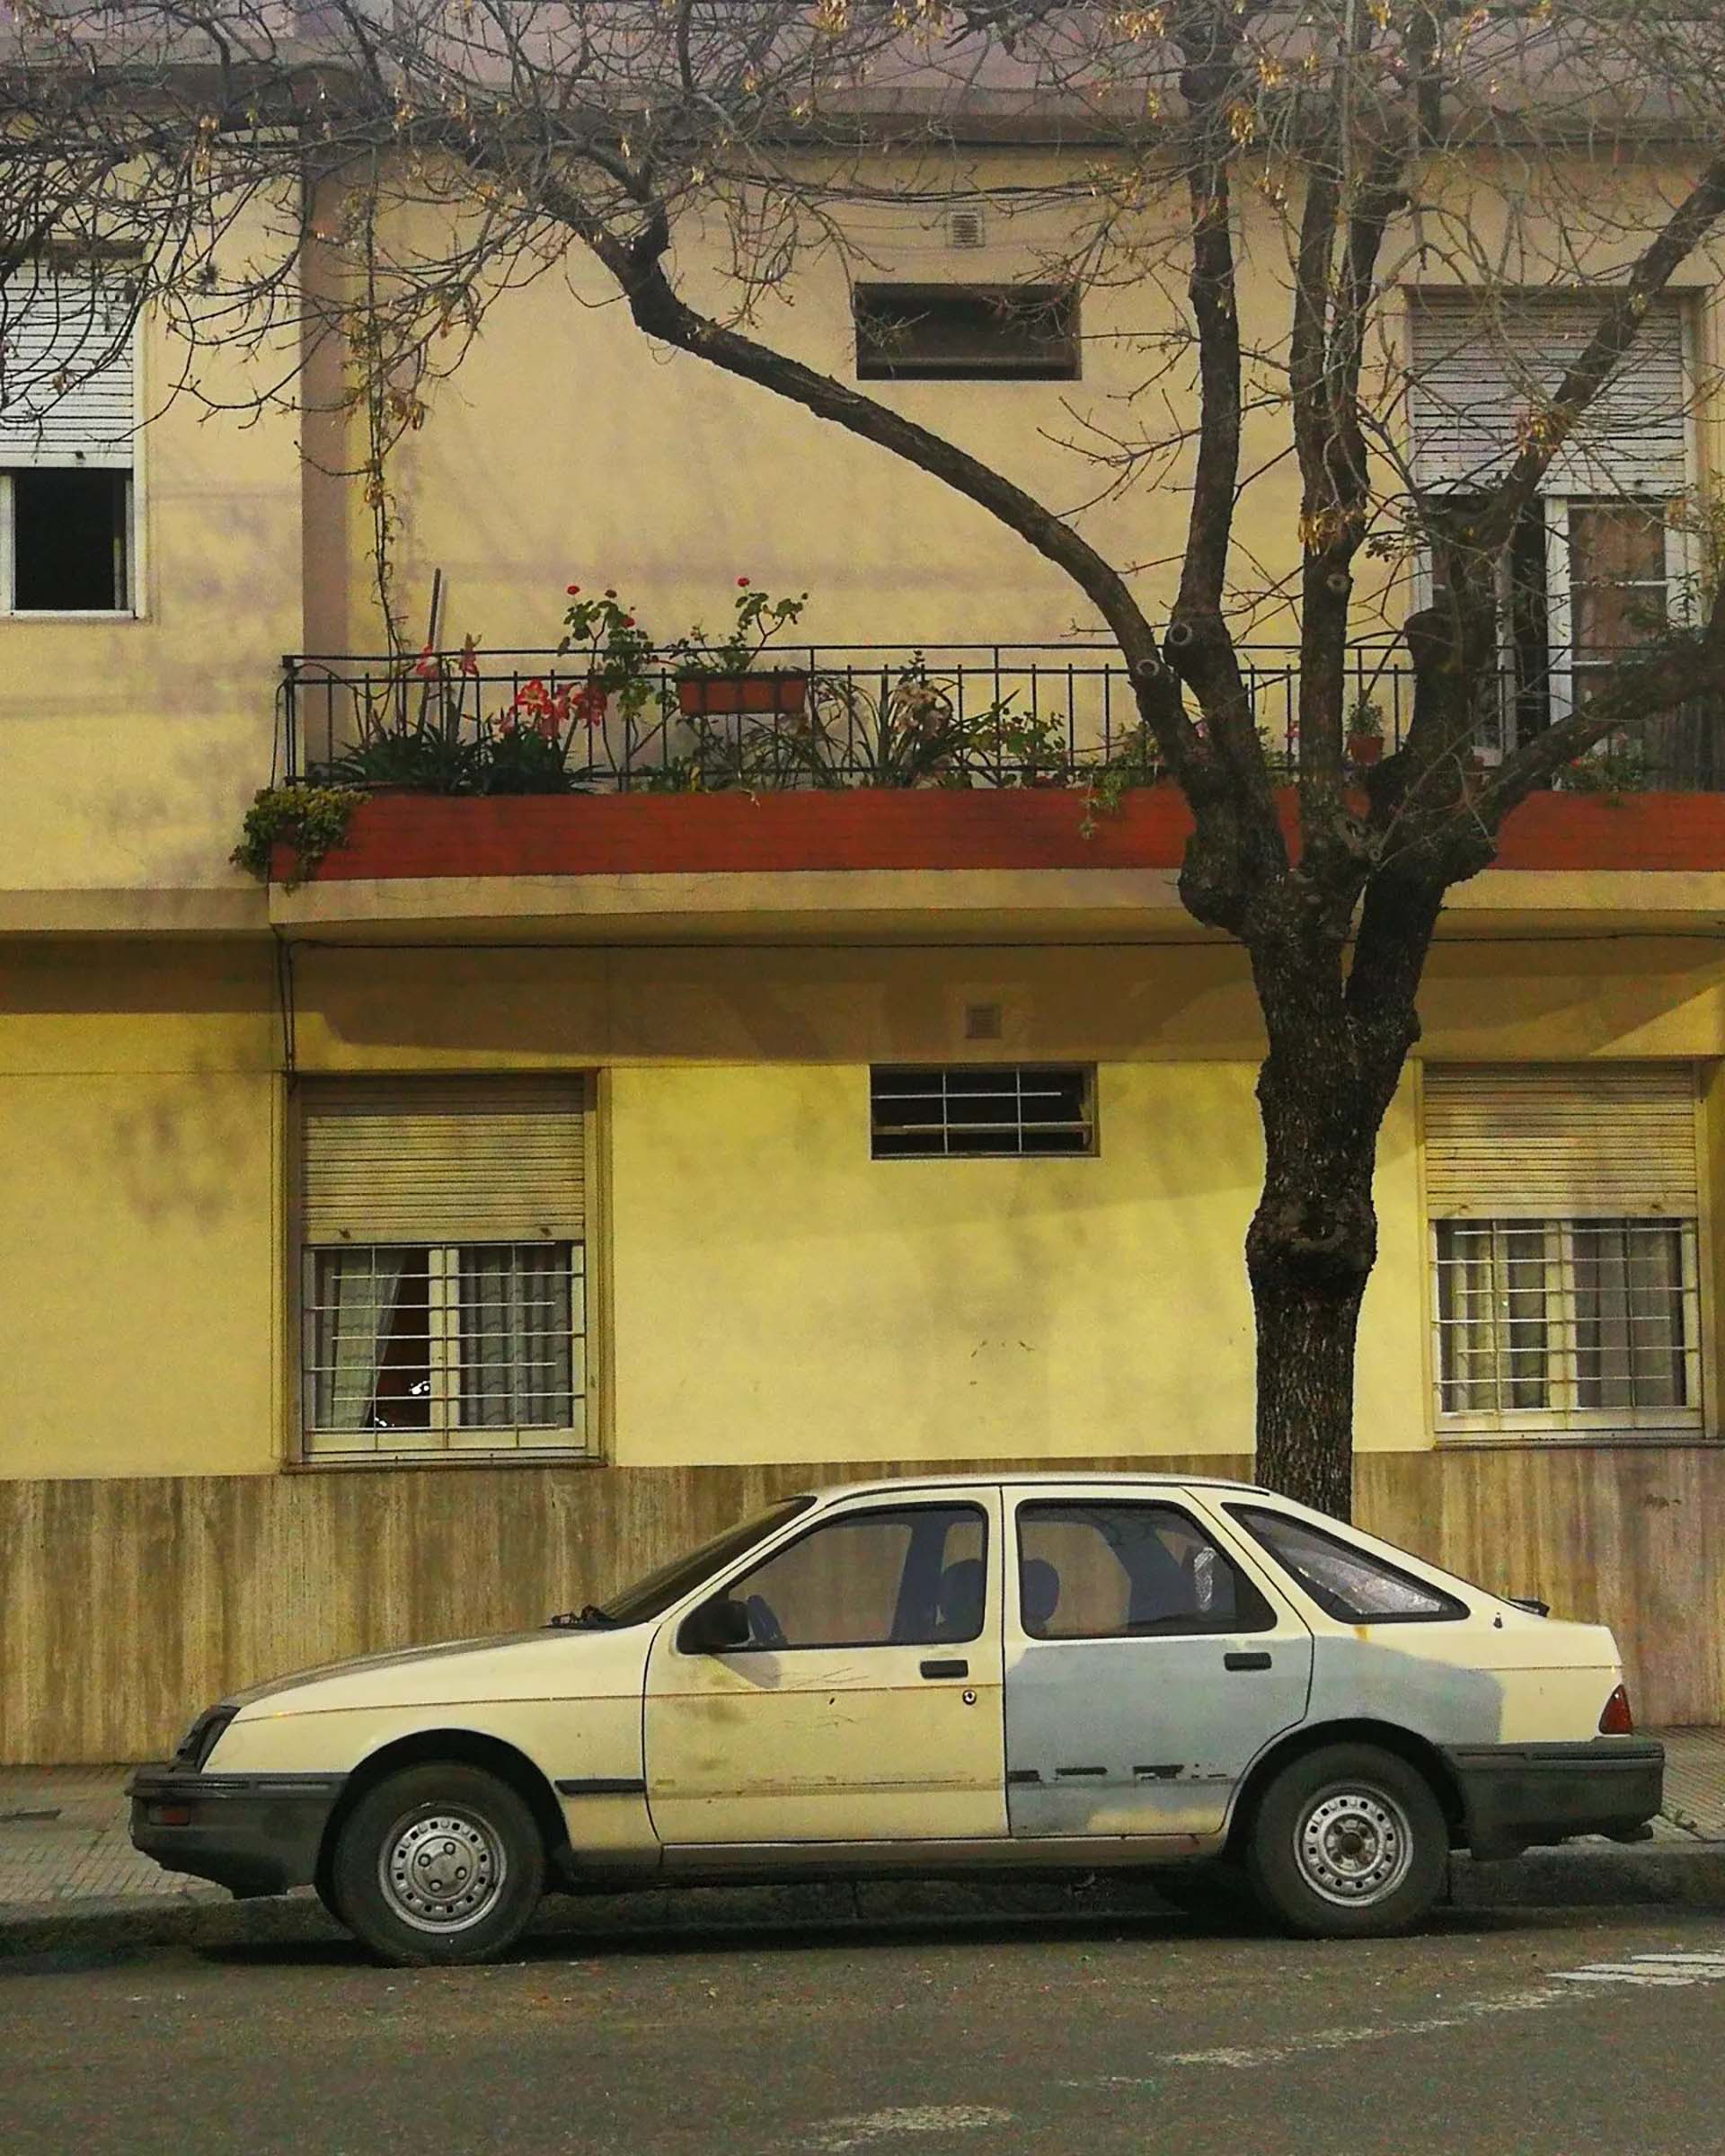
x=67, y=388
x=444, y=1160
x=1477, y=371
x=1555, y=1141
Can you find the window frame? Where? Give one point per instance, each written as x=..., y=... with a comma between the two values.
x=1268, y=1620
x=1241, y=1514
x=135, y=607
x=875, y=365
x=1085, y=1073
x=446, y=1440
x=1558, y=1417
x=129, y=527
x=849, y=1515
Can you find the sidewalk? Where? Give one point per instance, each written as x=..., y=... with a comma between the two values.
x=64, y=1854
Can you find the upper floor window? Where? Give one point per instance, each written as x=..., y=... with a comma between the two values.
x=967, y=332
x=444, y=1302
x=1565, y=1210
x=1596, y=564
x=67, y=420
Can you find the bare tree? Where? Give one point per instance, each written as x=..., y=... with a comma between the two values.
x=1342, y=154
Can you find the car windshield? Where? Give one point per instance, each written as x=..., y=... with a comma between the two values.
x=655, y=1594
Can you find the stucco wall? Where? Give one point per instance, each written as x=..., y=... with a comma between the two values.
x=763, y=1290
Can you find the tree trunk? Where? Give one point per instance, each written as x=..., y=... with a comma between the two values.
x=1305, y=1383
x=1313, y=1237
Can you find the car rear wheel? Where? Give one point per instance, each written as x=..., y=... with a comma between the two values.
x=442, y=1862
x=1349, y=1842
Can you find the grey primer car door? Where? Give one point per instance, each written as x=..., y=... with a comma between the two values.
x=1144, y=1669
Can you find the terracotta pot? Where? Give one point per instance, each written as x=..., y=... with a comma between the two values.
x=704, y=695
x=1364, y=748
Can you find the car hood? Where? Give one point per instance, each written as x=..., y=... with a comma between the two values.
x=546, y=1663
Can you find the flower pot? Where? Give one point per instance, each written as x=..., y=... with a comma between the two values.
x=706, y=696
x=1364, y=748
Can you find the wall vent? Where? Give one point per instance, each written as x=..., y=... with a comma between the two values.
x=965, y=228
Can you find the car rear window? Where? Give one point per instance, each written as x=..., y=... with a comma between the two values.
x=1346, y=1582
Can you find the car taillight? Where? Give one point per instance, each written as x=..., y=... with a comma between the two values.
x=1617, y=1721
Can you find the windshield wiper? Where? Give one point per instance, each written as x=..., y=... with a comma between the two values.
x=588, y=1618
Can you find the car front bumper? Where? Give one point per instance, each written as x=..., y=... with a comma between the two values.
x=1516, y=1797
x=252, y=1834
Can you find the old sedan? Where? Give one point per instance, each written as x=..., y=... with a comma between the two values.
x=937, y=1675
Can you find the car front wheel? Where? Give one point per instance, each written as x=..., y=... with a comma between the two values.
x=1349, y=1842
x=438, y=1863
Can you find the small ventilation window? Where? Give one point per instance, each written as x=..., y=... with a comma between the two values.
x=965, y=228
x=967, y=332
x=945, y=1111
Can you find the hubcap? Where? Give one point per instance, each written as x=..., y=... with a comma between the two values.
x=1354, y=1847
x=442, y=1873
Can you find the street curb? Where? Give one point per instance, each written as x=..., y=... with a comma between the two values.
x=1649, y=1874
x=1588, y=1876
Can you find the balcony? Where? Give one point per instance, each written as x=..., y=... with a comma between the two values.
x=522, y=786
x=826, y=717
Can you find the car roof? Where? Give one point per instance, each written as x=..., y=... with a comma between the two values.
x=896, y=1485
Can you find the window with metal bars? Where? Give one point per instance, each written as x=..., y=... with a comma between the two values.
x=944, y=1111
x=1552, y=1325
x=444, y=1348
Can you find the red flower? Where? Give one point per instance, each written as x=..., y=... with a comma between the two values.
x=469, y=657
x=610, y=591
x=628, y=621
x=742, y=583
x=590, y=704
x=426, y=668
x=574, y=590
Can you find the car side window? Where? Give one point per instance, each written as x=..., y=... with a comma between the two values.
x=1104, y=1569
x=903, y=1576
x=1347, y=1583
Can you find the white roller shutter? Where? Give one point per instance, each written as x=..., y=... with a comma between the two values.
x=1554, y=1142
x=442, y=1159
x=1479, y=371
x=67, y=385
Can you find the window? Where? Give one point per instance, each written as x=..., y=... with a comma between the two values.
x=1104, y=1569
x=966, y=332
x=940, y=1112
x=1567, y=1317
x=1347, y=1583
x=68, y=414
x=1594, y=564
x=1566, y=1270
x=905, y=1575
x=444, y=1276
x=652, y=1594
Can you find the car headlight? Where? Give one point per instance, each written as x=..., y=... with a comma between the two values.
x=204, y=1734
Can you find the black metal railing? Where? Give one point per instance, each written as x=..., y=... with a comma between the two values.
x=813, y=716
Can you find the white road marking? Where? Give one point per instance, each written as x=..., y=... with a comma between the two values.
x=1642, y=1971
x=840, y=2134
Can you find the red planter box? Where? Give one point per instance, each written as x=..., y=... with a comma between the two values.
x=709, y=695
x=662, y=833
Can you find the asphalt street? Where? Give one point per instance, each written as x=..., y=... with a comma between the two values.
x=1547, y=2034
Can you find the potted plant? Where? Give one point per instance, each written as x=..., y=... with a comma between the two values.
x=1364, y=731
x=715, y=679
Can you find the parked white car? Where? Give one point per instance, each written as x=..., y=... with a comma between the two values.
x=935, y=1675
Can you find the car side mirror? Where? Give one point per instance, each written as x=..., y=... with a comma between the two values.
x=715, y=1628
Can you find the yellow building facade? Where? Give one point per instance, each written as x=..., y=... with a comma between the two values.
x=763, y=1295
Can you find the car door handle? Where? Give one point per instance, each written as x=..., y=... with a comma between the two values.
x=1237, y=1661
x=946, y=1669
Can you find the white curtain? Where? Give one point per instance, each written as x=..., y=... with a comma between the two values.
x=354, y=1297
x=515, y=1369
